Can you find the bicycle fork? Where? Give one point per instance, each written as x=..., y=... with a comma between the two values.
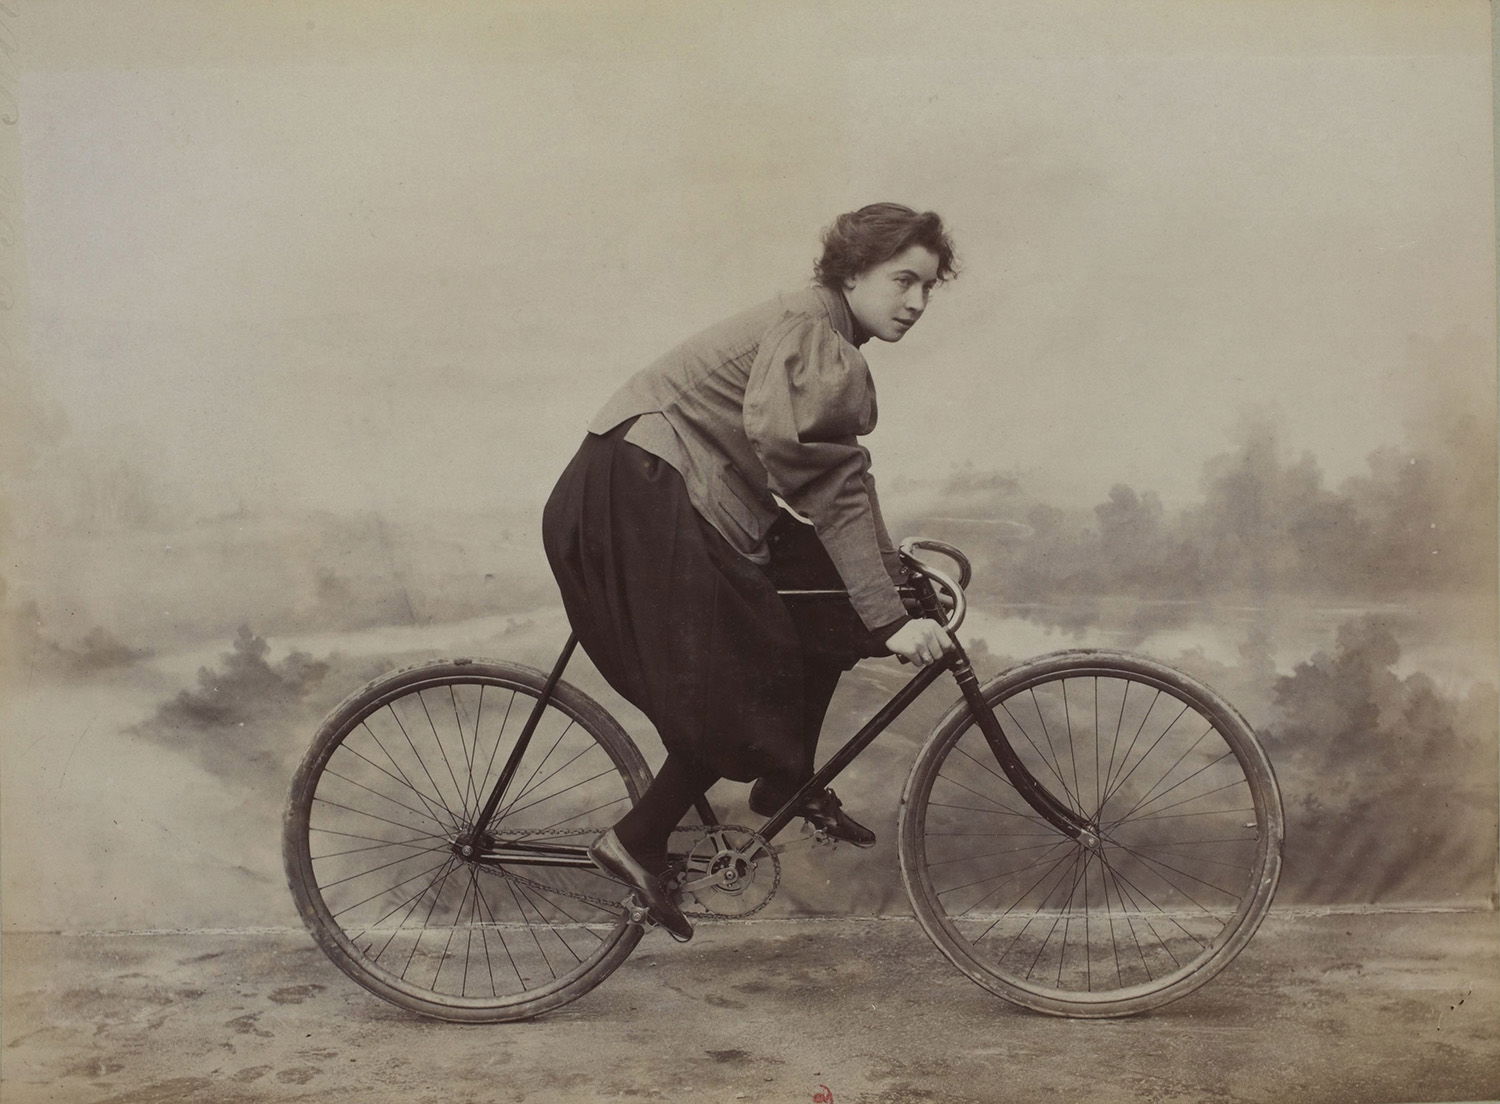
x=1053, y=811
x=1064, y=819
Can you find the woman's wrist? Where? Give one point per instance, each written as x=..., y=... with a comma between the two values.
x=885, y=632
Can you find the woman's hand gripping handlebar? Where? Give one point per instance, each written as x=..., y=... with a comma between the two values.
x=927, y=638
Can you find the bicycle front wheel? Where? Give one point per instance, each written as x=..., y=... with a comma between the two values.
x=1186, y=822
x=384, y=803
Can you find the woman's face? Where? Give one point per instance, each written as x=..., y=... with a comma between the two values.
x=888, y=299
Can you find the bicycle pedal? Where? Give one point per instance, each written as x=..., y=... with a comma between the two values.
x=637, y=912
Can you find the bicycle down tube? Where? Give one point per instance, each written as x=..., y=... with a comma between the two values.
x=524, y=853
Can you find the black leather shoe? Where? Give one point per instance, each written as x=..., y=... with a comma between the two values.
x=823, y=811
x=610, y=856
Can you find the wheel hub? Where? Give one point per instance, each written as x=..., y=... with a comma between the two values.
x=470, y=847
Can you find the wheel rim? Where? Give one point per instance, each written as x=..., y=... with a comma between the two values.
x=1158, y=901
x=398, y=791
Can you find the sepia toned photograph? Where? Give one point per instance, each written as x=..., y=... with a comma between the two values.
x=836, y=552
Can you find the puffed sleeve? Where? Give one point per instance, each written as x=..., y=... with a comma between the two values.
x=808, y=396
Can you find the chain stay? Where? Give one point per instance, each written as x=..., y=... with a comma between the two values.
x=623, y=908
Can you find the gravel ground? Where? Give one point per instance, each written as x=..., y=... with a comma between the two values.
x=1367, y=1007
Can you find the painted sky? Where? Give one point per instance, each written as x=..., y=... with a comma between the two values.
x=381, y=256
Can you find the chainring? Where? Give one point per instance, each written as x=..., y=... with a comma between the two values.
x=730, y=872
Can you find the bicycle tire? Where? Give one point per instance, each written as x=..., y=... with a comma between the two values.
x=1190, y=833
x=395, y=773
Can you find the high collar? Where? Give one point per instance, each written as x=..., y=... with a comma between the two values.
x=841, y=316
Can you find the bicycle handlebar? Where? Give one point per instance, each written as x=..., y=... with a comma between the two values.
x=911, y=544
x=954, y=590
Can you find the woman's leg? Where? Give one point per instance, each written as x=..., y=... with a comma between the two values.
x=645, y=829
x=634, y=851
x=819, y=680
x=823, y=810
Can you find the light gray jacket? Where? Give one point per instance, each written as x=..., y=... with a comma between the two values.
x=772, y=400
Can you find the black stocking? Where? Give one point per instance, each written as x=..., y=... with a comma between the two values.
x=645, y=829
x=819, y=680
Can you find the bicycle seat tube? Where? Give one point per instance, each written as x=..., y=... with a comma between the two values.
x=503, y=782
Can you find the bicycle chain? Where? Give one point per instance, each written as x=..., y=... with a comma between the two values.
x=616, y=906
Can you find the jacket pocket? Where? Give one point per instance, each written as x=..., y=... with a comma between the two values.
x=734, y=502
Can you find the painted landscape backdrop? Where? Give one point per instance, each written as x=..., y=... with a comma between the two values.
x=305, y=305
x=1349, y=623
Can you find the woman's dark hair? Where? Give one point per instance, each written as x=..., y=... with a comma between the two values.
x=860, y=240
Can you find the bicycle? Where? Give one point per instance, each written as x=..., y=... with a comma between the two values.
x=1087, y=834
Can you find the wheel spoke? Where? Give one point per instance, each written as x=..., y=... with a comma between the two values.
x=987, y=855
x=1151, y=795
x=1157, y=865
x=984, y=797
x=1049, y=758
x=364, y=813
x=410, y=904
x=422, y=762
x=527, y=786
x=484, y=779
x=437, y=871
x=553, y=899
x=375, y=869
x=513, y=835
x=1232, y=784
x=1110, y=782
x=991, y=877
x=1077, y=790
x=469, y=805
x=380, y=840
x=1156, y=744
x=992, y=812
x=387, y=797
x=443, y=751
x=1024, y=893
x=531, y=894
x=432, y=803
x=542, y=800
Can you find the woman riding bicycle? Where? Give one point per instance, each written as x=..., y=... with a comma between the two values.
x=668, y=543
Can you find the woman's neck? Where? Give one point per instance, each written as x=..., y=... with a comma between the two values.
x=861, y=335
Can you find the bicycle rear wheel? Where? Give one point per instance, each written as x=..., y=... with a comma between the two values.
x=1188, y=821
x=396, y=776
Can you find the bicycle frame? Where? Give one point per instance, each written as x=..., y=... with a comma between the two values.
x=1092, y=913
x=478, y=846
